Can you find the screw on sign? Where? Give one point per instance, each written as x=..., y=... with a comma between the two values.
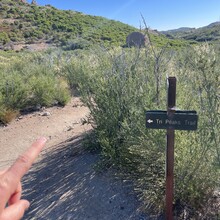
x=171, y=120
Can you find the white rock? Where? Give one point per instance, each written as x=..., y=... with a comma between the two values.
x=46, y=114
x=42, y=108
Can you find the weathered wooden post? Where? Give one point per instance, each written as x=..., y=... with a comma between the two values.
x=171, y=120
x=171, y=107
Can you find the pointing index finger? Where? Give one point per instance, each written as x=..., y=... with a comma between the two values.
x=24, y=162
x=10, y=179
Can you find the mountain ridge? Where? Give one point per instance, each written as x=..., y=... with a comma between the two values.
x=208, y=33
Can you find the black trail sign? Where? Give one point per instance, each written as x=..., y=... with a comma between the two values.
x=180, y=120
x=171, y=120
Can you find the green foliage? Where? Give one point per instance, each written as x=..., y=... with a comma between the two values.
x=197, y=154
x=34, y=23
x=203, y=67
x=161, y=41
x=4, y=38
x=75, y=44
x=14, y=91
x=70, y=29
x=29, y=81
x=118, y=86
x=208, y=33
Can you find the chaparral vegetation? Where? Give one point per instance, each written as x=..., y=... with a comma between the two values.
x=118, y=84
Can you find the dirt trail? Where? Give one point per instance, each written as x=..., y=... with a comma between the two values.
x=59, y=125
x=63, y=183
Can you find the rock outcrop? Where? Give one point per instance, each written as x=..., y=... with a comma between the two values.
x=135, y=39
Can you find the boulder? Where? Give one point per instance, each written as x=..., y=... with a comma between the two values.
x=135, y=39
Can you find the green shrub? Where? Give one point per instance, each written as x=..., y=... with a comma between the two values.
x=14, y=91
x=75, y=44
x=8, y=115
x=47, y=86
x=43, y=90
x=119, y=86
x=30, y=80
x=197, y=153
x=4, y=38
x=62, y=96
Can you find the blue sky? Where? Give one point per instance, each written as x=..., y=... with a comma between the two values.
x=158, y=14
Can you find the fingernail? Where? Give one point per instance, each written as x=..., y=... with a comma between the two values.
x=27, y=205
x=42, y=139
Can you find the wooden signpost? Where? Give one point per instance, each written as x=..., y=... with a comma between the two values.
x=171, y=120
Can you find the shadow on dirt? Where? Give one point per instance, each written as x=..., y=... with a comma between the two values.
x=64, y=185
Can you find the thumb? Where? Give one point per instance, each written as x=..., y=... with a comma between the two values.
x=15, y=211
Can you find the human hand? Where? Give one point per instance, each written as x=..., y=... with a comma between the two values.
x=10, y=183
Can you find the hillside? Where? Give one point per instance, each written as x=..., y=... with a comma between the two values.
x=28, y=23
x=23, y=24
x=210, y=32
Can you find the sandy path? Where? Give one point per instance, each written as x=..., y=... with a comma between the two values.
x=63, y=183
x=61, y=124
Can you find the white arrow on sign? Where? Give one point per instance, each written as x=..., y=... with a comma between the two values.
x=150, y=121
